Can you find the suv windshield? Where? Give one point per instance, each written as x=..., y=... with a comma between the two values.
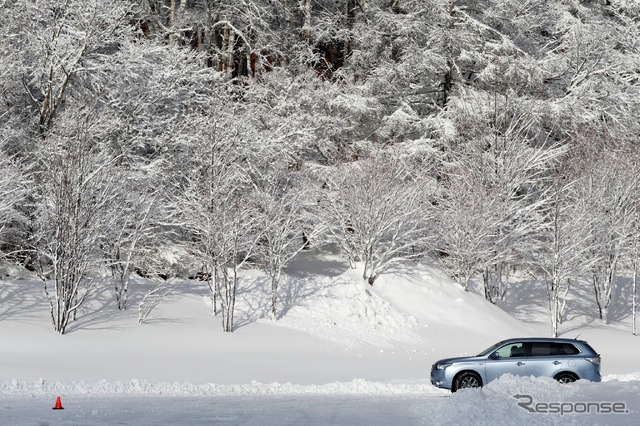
x=489, y=350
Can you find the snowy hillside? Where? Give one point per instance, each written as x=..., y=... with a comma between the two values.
x=332, y=327
x=335, y=335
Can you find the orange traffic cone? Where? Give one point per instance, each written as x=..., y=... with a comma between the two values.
x=58, y=405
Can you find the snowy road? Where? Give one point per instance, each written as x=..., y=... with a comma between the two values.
x=493, y=405
x=227, y=410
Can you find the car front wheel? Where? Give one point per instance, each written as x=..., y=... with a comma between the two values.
x=467, y=379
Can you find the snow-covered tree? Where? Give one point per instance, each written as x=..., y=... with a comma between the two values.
x=153, y=298
x=213, y=200
x=634, y=246
x=62, y=44
x=282, y=204
x=463, y=217
x=13, y=187
x=236, y=37
x=377, y=210
x=151, y=99
x=502, y=157
x=562, y=252
x=607, y=186
x=293, y=85
x=133, y=228
x=591, y=71
x=76, y=184
x=14, y=191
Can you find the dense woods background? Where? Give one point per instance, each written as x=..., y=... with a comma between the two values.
x=196, y=138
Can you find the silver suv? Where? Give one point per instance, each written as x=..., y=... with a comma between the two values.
x=565, y=360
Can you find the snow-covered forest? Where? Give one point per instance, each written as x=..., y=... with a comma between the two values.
x=196, y=139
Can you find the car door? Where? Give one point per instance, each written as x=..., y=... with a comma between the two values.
x=544, y=359
x=509, y=358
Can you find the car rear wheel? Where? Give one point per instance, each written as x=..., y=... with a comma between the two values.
x=566, y=377
x=467, y=379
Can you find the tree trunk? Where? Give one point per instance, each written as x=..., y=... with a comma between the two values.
x=275, y=279
x=596, y=290
x=493, y=283
x=563, y=306
x=172, y=13
x=554, y=303
x=231, y=41
x=228, y=300
x=305, y=5
x=603, y=280
x=634, y=298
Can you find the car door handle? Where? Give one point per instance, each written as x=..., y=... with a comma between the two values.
x=519, y=363
x=557, y=362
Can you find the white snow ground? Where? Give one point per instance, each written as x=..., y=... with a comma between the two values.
x=340, y=352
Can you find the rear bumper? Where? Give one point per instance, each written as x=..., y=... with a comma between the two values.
x=593, y=376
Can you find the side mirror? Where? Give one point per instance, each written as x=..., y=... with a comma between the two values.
x=494, y=355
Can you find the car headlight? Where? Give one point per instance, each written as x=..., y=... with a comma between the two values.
x=442, y=365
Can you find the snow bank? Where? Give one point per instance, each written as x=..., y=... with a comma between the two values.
x=142, y=387
x=344, y=311
x=513, y=400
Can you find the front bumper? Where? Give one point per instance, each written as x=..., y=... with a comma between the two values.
x=439, y=379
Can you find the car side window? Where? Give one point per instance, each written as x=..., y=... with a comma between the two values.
x=543, y=349
x=512, y=350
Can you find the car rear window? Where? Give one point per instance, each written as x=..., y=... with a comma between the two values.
x=567, y=349
x=552, y=348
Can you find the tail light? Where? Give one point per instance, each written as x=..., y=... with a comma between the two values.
x=594, y=361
